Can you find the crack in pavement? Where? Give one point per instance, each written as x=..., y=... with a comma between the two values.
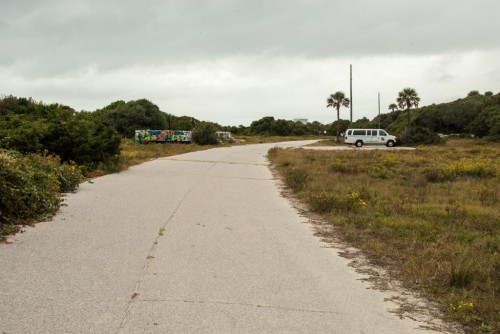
x=219, y=162
x=215, y=302
x=163, y=228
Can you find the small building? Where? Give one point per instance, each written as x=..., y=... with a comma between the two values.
x=301, y=120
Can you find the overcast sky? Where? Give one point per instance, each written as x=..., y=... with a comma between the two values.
x=235, y=61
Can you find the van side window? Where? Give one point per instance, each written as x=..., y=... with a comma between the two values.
x=349, y=132
x=359, y=132
x=383, y=133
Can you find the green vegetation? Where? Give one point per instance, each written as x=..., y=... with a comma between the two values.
x=126, y=117
x=336, y=101
x=30, y=187
x=205, y=134
x=408, y=98
x=27, y=126
x=476, y=114
x=431, y=216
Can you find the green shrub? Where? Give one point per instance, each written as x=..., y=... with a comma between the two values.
x=30, y=186
x=296, y=178
x=30, y=127
x=205, y=134
x=323, y=202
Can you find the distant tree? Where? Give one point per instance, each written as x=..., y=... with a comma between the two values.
x=281, y=127
x=473, y=93
x=185, y=123
x=487, y=123
x=337, y=100
x=341, y=125
x=315, y=128
x=205, y=134
x=408, y=98
x=362, y=123
x=393, y=106
x=488, y=93
x=126, y=117
x=28, y=126
x=262, y=126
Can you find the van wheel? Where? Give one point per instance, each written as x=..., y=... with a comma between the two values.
x=359, y=143
x=390, y=143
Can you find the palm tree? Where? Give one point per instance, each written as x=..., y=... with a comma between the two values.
x=408, y=98
x=393, y=106
x=336, y=101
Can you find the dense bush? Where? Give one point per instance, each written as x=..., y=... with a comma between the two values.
x=126, y=117
x=487, y=123
x=29, y=127
x=268, y=126
x=472, y=114
x=31, y=185
x=205, y=133
x=419, y=135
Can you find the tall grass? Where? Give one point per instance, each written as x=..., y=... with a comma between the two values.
x=433, y=213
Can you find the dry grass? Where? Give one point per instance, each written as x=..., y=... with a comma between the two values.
x=433, y=214
x=134, y=154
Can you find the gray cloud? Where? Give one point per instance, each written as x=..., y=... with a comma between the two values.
x=252, y=51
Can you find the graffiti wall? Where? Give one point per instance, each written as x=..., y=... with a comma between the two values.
x=177, y=136
x=173, y=136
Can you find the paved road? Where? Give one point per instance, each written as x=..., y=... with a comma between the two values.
x=196, y=243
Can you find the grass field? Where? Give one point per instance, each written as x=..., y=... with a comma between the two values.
x=430, y=216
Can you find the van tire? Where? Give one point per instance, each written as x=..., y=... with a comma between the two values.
x=390, y=143
x=359, y=143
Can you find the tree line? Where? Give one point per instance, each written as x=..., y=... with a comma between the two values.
x=93, y=138
x=477, y=114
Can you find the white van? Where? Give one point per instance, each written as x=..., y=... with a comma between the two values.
x=359, y=137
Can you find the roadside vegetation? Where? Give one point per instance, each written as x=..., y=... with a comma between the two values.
x=31, y=187
x=431, y=216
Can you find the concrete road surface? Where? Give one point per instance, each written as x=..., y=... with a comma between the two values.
x=196, y=243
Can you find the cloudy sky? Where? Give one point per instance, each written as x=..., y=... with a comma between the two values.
x=235, y=61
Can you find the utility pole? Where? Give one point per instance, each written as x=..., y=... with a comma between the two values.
x=350, y=91
x=379, y=110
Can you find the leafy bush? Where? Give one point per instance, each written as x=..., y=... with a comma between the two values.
x=487, y=123
x=419, y=135
x=30, y=186
x=205, y=134
x=30, y=127
x=126, y=117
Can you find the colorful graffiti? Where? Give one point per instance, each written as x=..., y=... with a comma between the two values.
x=174, y=136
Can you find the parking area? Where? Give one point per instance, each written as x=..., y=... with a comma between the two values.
x=365, y=147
